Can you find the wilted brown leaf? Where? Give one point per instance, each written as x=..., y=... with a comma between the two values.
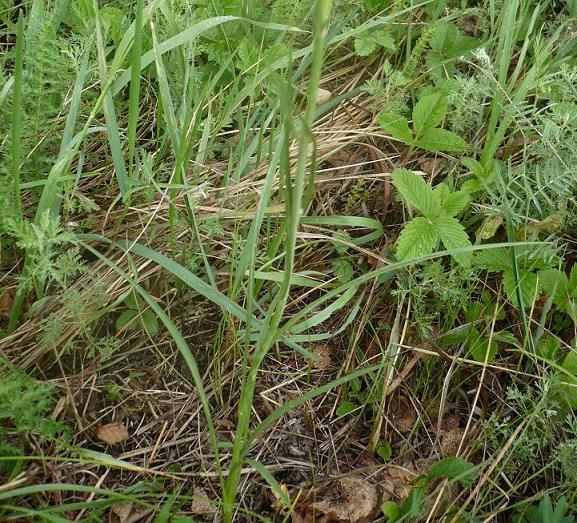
x=323, y=95
x=322, y=354
x=351, y=500
x=6, y=299
x=201, y=504
x=112, y=433
x=126, y=512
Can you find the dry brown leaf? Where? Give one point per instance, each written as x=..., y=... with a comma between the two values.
x=126, y=512
x=450, y=435
x=322, y=354
x=112, y=433
x=201, y=504
x=6, y=299
x=323, y=95
x=348, y=500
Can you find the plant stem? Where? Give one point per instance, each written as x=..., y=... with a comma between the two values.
x=294, y=211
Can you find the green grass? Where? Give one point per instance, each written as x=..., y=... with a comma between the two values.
x=373, y=290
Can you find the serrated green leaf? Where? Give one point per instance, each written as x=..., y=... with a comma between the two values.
x=365, y=45
x=454, y=468
x=150, y=322
x=568, y=384
x=474, y=167
x=440, y=140
x=556, y=284
x=455, y=203
x=416, y=192
x=453, y=236
x=482, y=348
x=397, y=127
x=549, y=347
x=442, y=190
x=418, y=238
x=428, y=113
x=528, y=285
x=125, y=318
x=493, y=260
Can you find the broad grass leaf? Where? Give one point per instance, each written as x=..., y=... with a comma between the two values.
x=418, y=238
x=454, y=468
x=440, y=140
x=528, y=286
x=453, y=236
x=346, y=407
x=416, y=192
x=428, y=113
x=150, y=322
x=397, y=127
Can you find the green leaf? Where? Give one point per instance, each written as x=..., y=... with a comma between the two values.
x=343, y=270
x=365, y=45
x=572, y=289
x=493, y=260
x=412, y=507
x=455, y=203
x=150, y=322
x=397, y=127
x=416, y=192
x=556, y=284
x=442, y=190
x=391, y=511
x=384, y=450
x=346, y=407
x=549, y=347
x=428, y=113
x=453, y=236
x=568, y=384
x=528, y=285
x=125, y=318
x=482, y=348
x=418, y=238
x=440, y=140
x=454, y=468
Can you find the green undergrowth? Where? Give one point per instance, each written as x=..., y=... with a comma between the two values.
x=169, y=214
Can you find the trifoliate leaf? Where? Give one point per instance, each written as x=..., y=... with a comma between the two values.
x=418, y=238
x=453, y=236
x=428, y=113
x=440, y=140
x=416, y=192
x=397, y=127
x=454, y=468
x=528, y=285
x=455, y=202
